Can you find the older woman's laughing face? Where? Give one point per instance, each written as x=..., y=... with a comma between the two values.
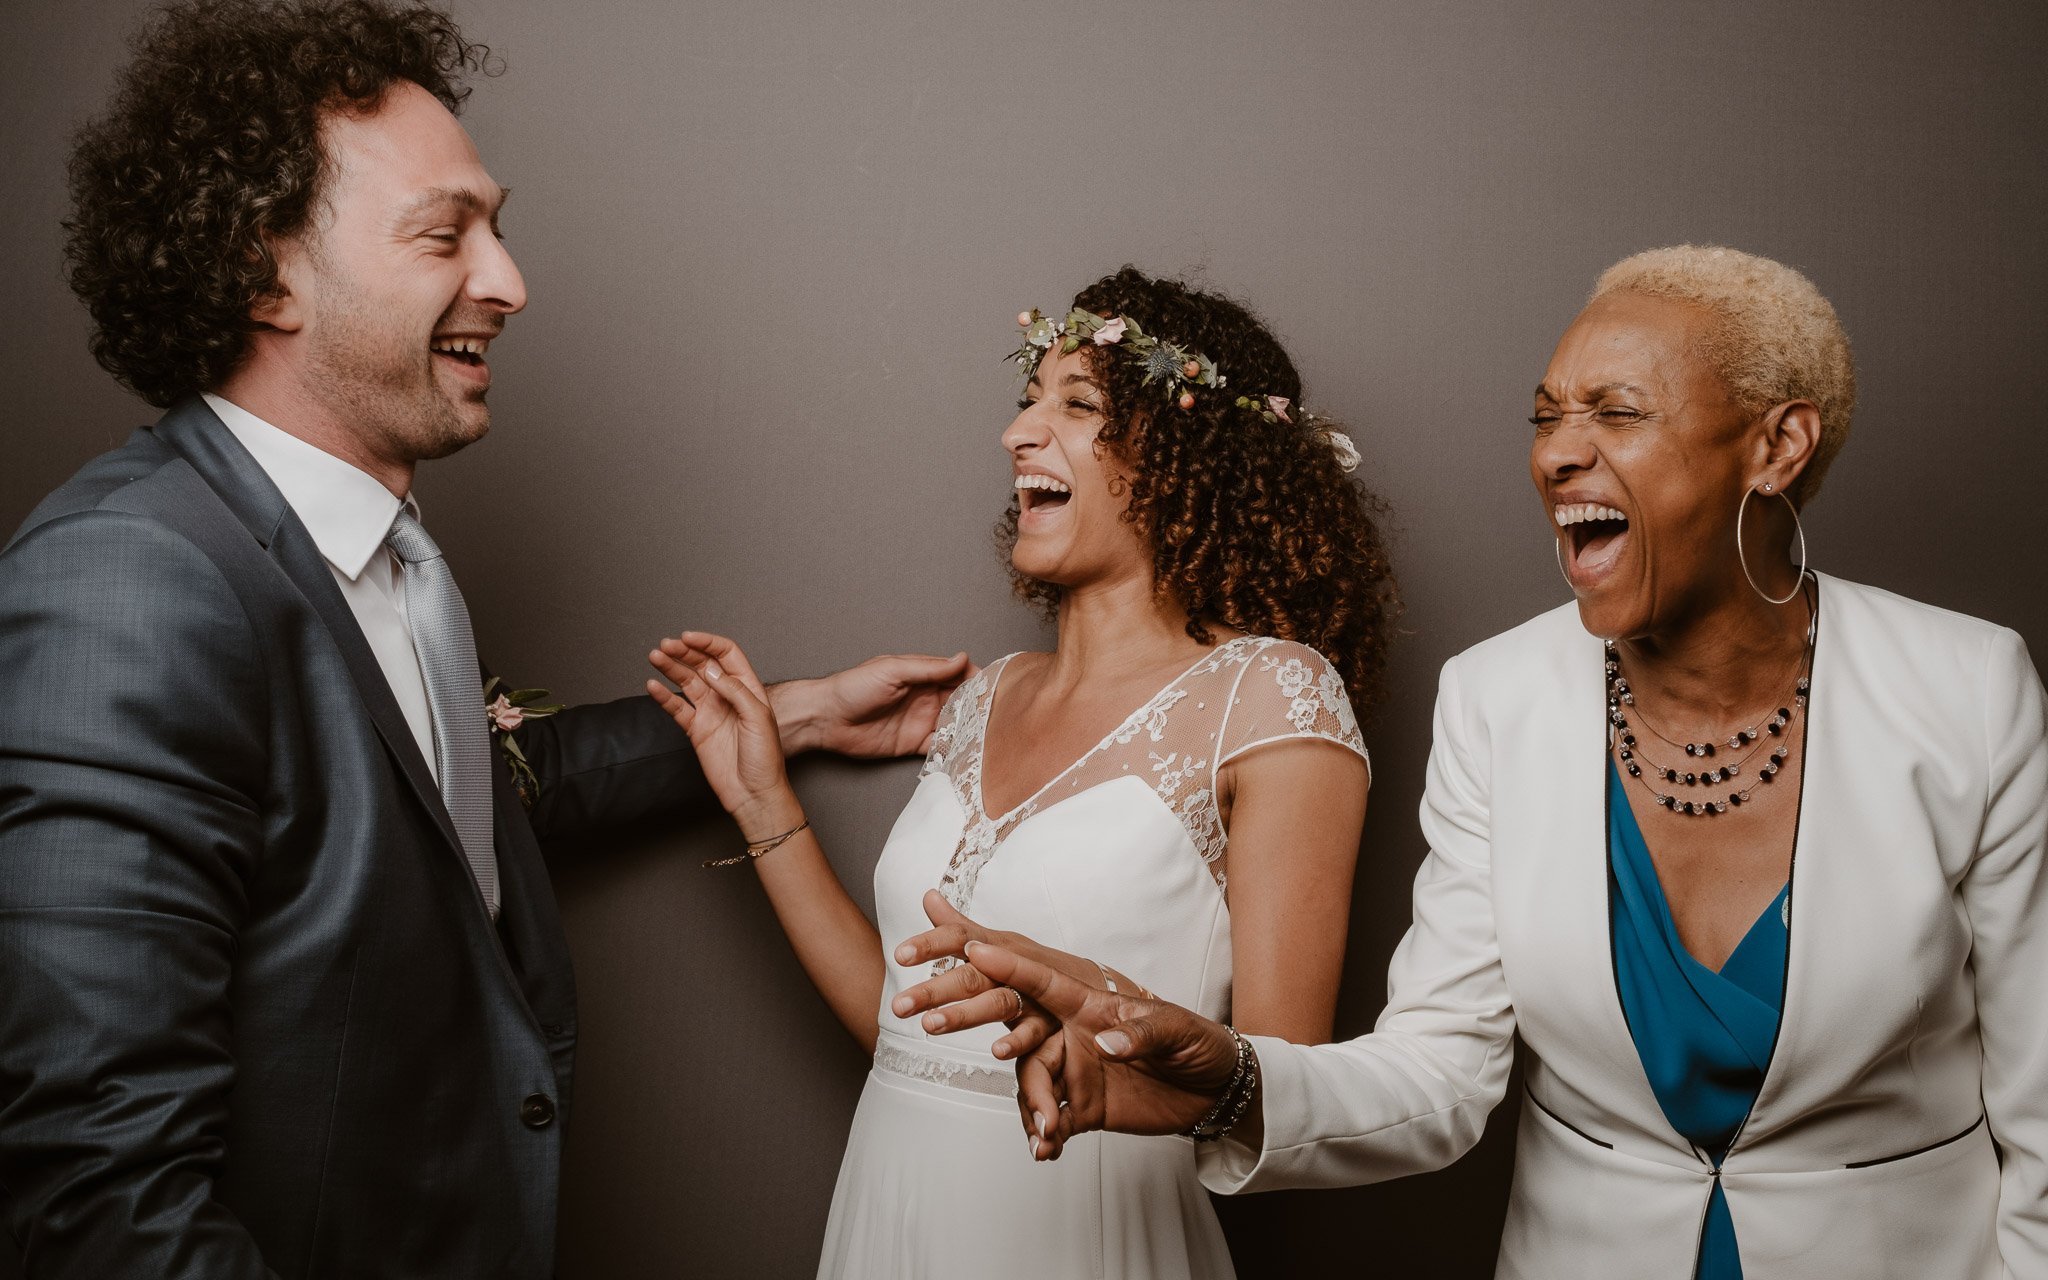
x=1641, y=456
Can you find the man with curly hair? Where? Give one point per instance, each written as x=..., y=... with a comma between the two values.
x=283, y=989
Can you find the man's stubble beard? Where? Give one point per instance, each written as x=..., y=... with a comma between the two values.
x=383, y=378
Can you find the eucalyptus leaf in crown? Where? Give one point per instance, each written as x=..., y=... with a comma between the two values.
x=1182, y=370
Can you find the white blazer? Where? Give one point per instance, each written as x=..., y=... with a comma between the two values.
x=1913, y=1044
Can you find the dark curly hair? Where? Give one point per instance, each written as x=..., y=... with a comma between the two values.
x=1253, y=524
x=213, y=143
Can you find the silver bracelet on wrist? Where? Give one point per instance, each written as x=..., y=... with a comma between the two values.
x=1237, y=1095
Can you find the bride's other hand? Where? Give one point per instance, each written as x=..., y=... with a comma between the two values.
x=720, y=703
x=962, y=997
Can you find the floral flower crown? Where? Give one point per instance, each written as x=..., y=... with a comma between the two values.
x=1183, y=371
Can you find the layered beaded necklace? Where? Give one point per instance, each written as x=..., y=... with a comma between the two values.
x=1773, y=727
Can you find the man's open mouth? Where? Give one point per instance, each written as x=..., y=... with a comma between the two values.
x=1041, y=493
x=466, y=351
x=1594, y=533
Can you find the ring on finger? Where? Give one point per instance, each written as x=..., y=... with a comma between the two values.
x=1018, y=996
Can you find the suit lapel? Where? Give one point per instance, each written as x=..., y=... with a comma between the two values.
x=196, y=433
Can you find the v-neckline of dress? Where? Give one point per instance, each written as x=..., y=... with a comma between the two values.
x=981, y=812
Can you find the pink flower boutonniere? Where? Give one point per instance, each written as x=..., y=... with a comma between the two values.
x=505, y=713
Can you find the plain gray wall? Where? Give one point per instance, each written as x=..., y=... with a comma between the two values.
x=774, y=251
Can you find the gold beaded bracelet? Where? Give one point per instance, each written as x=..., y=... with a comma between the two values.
x=756, y=850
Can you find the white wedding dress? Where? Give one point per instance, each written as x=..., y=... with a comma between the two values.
x=1121, y=859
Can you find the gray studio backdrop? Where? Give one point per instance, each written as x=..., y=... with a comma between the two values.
x=774, y=251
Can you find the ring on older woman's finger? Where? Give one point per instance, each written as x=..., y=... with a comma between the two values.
x=1019, y=997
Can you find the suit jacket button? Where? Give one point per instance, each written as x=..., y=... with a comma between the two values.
x=538, y=1111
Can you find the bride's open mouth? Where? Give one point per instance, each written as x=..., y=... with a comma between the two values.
x=1594, y=536
x=1041, y=495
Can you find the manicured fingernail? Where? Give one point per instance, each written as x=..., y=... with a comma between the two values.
x=1000, y=1048
x=969, y=949
x=934, y=1022
x=904, y=1006
x=905, y=954
x=711, y=669
x=1038, y=1118
x=1033, y=1144
x=1114, y=1043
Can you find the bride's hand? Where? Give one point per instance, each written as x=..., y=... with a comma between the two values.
x=970, y=999
x=724, y=709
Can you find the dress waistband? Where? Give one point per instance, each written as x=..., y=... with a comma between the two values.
x=996, y=1082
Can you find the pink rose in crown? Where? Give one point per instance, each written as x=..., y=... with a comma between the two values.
x=1110, y=333
x=504, y=715
x=1280, y=404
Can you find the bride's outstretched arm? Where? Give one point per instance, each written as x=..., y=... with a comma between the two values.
x=724, y=708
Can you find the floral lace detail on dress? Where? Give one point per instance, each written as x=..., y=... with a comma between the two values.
x=1242, y=694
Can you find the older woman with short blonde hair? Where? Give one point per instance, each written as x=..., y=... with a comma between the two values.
x=1750, y=860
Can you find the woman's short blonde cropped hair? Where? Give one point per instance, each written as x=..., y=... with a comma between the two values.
x=1776, y=339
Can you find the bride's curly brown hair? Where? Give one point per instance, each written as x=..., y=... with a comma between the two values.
x=1253, y=524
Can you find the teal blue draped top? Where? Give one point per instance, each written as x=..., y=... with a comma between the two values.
x=1704, y=1037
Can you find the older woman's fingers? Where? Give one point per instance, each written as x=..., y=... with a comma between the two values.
x=961, y=982
x=1061, y=996
x=1039, y=1097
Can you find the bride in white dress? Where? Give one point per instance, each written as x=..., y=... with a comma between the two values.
x=1174, y=761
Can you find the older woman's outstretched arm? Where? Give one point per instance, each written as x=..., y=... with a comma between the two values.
x=2006, y=895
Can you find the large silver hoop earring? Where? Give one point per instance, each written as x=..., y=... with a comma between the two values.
x=1743, y=557
x=1557, y=545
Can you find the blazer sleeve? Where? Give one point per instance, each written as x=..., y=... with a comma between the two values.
x=2005, y=893
x=133, y=759
x=610, y=764
x=1414, y=1094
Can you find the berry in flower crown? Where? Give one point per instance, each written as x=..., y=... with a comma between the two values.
x=1182, y=371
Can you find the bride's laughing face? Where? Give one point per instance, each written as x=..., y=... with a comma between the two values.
x=1071, y=493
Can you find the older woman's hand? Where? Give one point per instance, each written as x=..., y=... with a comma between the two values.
x=1111, y=1062
x=962, y=997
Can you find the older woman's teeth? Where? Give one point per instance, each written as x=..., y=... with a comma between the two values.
x=1046, y=483
x=1580, y=512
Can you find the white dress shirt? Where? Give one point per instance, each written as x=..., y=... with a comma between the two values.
x=348, y=511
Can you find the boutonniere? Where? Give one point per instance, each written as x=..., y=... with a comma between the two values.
x=505, y=713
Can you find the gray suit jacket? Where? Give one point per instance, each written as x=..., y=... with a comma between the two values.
x=254, y=1020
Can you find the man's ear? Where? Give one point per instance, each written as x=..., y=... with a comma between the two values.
x=1791, y=434
x=285, y=310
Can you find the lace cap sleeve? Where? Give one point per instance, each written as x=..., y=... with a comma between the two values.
x=958, y=720
x=1288, y=691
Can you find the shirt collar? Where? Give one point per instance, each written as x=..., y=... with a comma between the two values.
x=346, y=509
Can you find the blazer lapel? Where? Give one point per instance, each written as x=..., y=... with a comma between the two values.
x=196, y=433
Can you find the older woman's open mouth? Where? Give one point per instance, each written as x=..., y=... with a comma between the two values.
x=1594, y=533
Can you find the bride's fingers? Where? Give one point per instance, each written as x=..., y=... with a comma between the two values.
x=932, y=944
x=672, y=702
x=998, y=1005
x=962, y=982
x=728, y=655
x=1030, y=1031
x=943, y=913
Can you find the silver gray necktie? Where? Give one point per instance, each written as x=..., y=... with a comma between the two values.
x=447, y=653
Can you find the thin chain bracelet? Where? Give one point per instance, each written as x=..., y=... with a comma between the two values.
x=1237, y=1095
x=756, y=850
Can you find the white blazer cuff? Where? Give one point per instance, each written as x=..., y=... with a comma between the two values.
x=1225, y=1167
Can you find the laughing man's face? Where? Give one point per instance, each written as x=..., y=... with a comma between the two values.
x=402, y=277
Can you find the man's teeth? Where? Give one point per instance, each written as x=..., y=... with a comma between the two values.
x=1047, y=483
x=462, y=346
x=1580, y=512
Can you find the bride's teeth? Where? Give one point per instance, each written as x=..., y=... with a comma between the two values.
x=1042, y=482
x=1580, y=512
